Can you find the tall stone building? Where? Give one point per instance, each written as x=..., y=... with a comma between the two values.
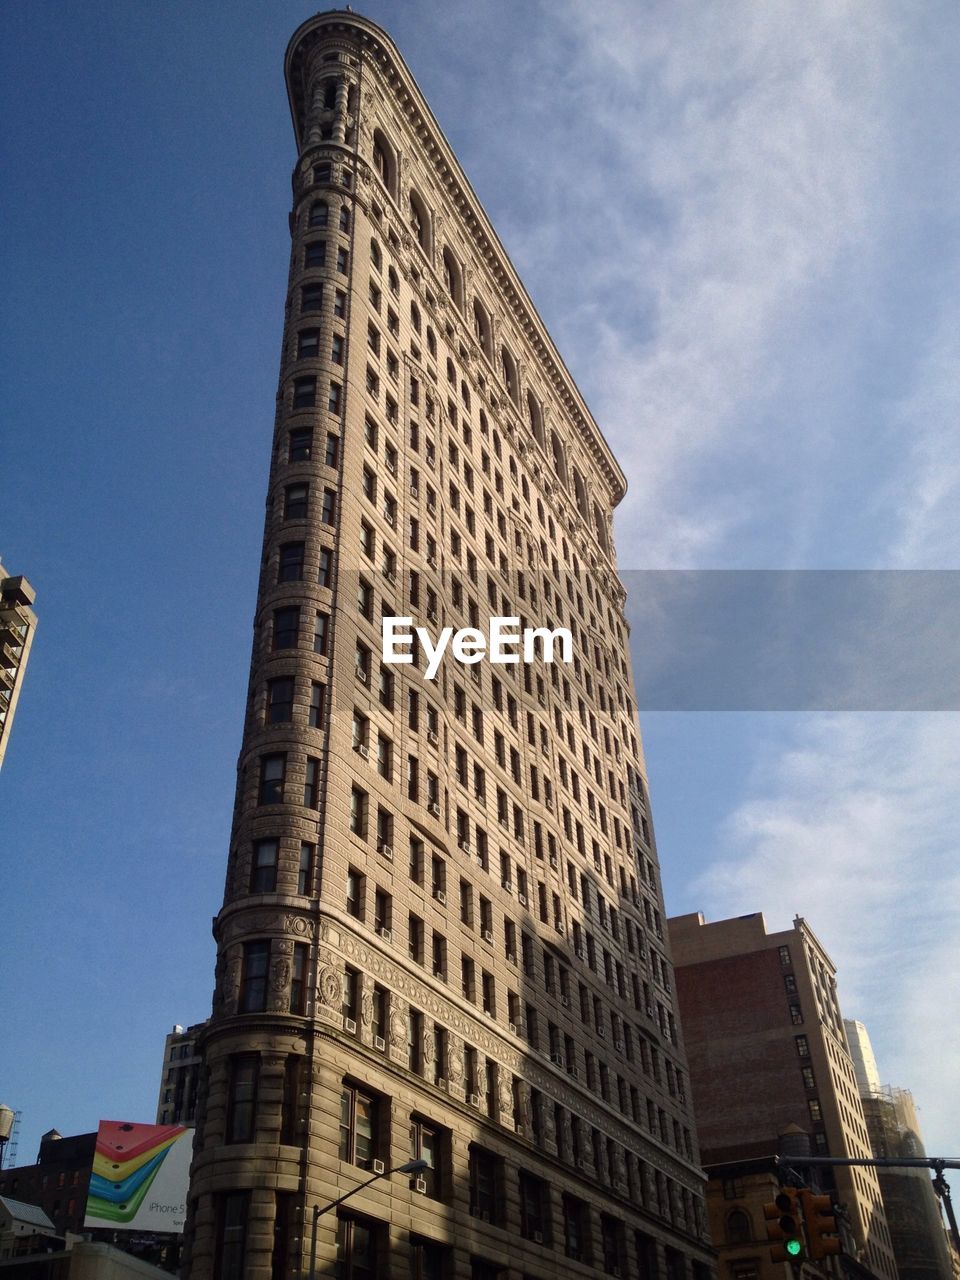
x=441, y=937
x=920, y=1245
x=771, y=1074
x=180, y=1077
x=18, y=623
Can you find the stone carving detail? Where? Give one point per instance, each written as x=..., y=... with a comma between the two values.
x=510, y=1062
x=231, y=981
x=566, y=1134
x=398, y=1027
x=279, y=974
x=299, y=925
x=506, y=1096
x=366, y=1009
x=330, y=986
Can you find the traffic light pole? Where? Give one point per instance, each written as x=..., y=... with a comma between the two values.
x=936, y=1163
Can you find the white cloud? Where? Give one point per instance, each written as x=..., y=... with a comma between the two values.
x=925, y=493
x=735, y=150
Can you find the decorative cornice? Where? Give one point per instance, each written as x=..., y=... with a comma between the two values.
x=383, y=53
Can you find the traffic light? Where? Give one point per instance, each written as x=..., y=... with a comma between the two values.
x=822, y=1237
x=783, y=1226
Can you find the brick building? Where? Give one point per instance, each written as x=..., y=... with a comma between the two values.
x=769, y=1065
x=441, y=936
x=58, y=1182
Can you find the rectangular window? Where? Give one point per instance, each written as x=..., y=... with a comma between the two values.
x=533, y=1201
x=325, y=567
x=296, y=501
x=298, y=978
x=320, y=633
x=273, y=770
x=253, y=977
x=280, y=700
x=308, y=853
x=242, y=1098
x=315, y=710
x=263, y=877
x=290, y=566
x=311, y=784
x=308, y=344
x=574, y=1220
x=358, y=812
x=355, y=893
x=428, y=1260
x=329, y=507
x=357, y=1249
x=358, y=1126
x=314, y=254
x=232, y=1209
x=483, y=1175
x=425, y=1141
x=311, y=297
x=304, y=392
x=299, y=444
x=415, y=1040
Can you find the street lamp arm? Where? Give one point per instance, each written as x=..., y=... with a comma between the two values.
x=411, y=1166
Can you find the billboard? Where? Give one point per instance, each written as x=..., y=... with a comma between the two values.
x=140, y=1176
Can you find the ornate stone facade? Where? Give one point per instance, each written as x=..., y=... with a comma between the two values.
x=442, y=930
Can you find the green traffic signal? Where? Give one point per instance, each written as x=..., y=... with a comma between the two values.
x=793, y=1247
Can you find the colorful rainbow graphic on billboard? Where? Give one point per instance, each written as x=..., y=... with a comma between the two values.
x=139, y=1178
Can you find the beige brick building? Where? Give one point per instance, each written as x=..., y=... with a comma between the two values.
x=441, y=936
x=771, y=1074
x=18, y=622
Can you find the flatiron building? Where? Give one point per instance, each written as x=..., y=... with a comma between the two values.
x=442, y=934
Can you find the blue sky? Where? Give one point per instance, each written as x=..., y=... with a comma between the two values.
x=739, y=222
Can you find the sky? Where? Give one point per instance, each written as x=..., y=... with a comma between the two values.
x=739, y=223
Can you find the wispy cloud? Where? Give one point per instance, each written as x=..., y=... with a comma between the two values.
x=722, y=165
x=925, y=493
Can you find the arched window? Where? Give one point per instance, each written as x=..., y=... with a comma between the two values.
x=319, y=213
x=580, y=489
x=329, y=94
x=510, y=380
x=738, y=1228
x=393, y=280
x=453, y=277
x=465, y=394
x=601, y=527
x=481, y=327
x=376, y=257
x=559, y=462
x=420, y=221
x=385, y=162
x=535, y=414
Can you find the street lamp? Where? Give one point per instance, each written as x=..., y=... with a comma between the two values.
x=412, y=1166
